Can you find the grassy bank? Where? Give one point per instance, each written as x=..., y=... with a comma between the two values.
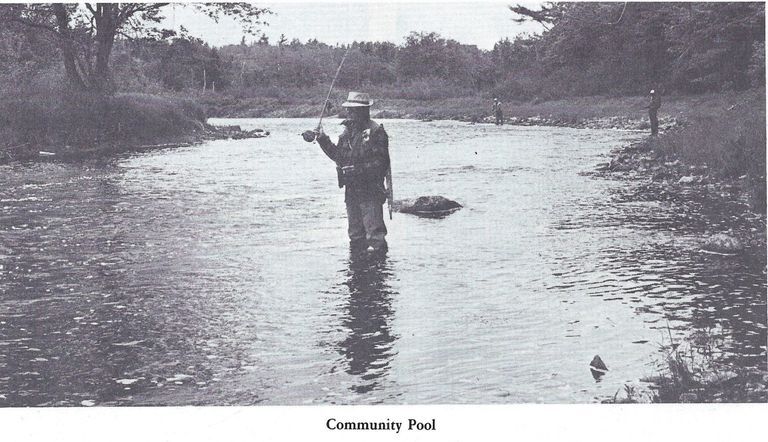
x=307, y=103
x=73, y=124
x=723, y=141
x=469, y=107
x=730, y=142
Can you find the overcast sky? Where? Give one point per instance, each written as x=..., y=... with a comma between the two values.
x=479, y=23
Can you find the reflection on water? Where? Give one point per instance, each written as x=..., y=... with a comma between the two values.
x=219, y=274
x=368, y=346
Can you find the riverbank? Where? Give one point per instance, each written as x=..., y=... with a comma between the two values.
x=720, y=151
x=83, y=126
x=53, y=125
x=596, y=112
x=716, y=160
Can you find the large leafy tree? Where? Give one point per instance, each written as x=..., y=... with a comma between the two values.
x=86, y=33
x=714, y=43
x=626, y=47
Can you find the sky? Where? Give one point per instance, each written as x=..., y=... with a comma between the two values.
x=480, y=23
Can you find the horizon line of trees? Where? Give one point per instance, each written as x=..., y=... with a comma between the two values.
x=586, y=49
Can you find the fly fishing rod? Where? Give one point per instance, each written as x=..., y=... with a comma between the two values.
x=310, y=135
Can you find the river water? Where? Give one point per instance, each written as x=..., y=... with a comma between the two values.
x=219, y=274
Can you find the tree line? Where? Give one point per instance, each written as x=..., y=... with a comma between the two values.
x=586, y=49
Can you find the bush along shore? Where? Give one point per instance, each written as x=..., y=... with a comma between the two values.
x=84, y=126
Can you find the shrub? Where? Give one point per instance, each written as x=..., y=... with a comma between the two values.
x=57, y=119
x=142, y=116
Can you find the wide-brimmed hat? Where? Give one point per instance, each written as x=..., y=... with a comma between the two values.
x=357, y=99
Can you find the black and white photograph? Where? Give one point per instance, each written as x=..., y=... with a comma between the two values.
x=371, y=203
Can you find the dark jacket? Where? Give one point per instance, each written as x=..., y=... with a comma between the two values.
x=365, y=146
x=655, y=103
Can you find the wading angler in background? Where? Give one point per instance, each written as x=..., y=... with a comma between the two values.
x=653, y=112
x=497, y=112
x=362, y=161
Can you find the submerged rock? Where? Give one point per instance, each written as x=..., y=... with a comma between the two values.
x=433, y=206
x=722, y=243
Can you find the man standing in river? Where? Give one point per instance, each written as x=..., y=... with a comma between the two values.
x=362, y=161
x=497, y=112
x=653, y=111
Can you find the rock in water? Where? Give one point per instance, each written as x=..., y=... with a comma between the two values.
x=722, y=243
x=687, y=180
x=433, y=206
x=597, y=367
x=309, y=136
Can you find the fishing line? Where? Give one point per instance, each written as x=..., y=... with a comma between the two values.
x=333, y=82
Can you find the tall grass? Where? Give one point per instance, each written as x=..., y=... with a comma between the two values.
x=693, y=370
x=730, y=141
